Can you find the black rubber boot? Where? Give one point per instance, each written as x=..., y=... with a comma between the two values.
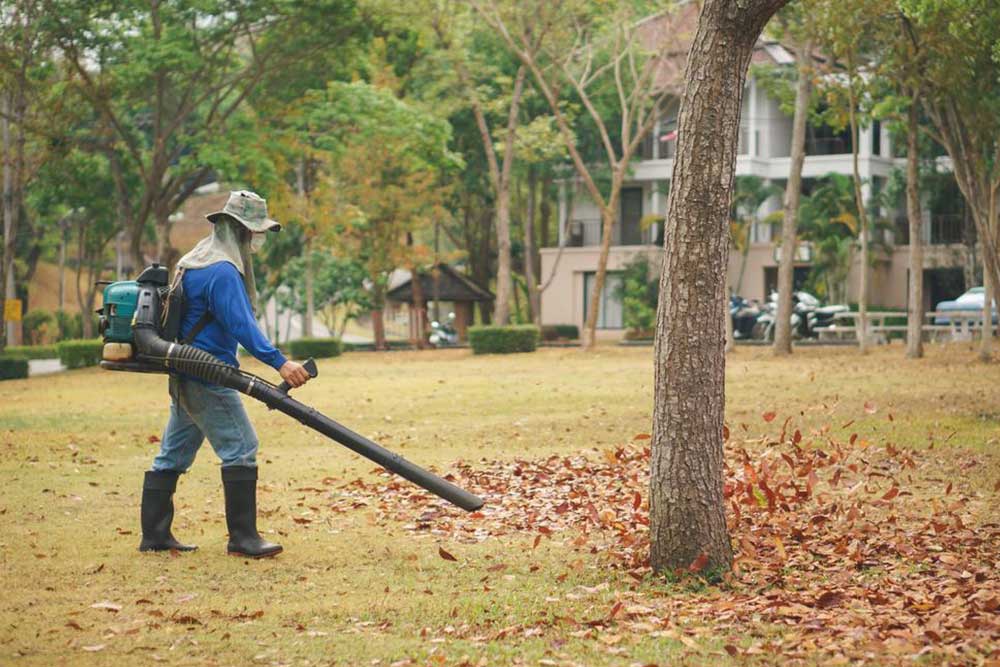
x=158, y=513
x=240, y=484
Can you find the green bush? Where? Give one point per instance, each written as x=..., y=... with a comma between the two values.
x=80, y=353
x=39, y=326
x=30, y=352
x=639, y=292
x=560, y=332
x=13, y=369
x=318, y=348
x=503, y=340
x=70, y=325
x=370, y=347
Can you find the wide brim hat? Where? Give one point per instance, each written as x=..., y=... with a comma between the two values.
x=250, y=209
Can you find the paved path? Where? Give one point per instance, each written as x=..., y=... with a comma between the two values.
x=44, y=367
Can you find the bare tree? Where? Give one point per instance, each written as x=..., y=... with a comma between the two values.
x=687, y=507
x=560, y=45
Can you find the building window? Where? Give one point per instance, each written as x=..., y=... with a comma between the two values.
x=609, y=314
x=876, y=138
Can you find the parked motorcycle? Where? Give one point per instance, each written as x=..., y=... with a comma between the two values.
x=744, y=314
x=808, y=316
x=444, y=334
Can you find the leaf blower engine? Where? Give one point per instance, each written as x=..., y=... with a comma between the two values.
x=140, y=321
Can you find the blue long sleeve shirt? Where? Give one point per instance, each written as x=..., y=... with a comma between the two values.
x=219, y=289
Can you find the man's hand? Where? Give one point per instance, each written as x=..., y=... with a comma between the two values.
x=294, y=374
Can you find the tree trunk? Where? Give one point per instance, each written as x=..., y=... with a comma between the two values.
x=7, y=255
x=419, y=306
x=915, y=310
x=310, y=314
x=986, y=342
x=607, y=231
x=378, y=320
x=793, y=191
x=545, y=212
x=505, y=283
x=530, y=251
x=862, y=329
x=687, y=505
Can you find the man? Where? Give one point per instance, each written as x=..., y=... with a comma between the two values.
x=220, y=297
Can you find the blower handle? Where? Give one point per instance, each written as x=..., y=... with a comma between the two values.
x=310, y=366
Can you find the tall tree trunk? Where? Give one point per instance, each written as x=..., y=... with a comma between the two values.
x=9, y=228
x=545, y=212
x=687, y=505
x=419, y=305
x=862, y=329
x=505, y=283
x=310, y=314
x=378, y=317
x=986, y=342
x=915, y=309
x=600, y=276
x=793, y=192
x=530, y=250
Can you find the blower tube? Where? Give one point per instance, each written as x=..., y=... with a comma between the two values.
x=151, y=348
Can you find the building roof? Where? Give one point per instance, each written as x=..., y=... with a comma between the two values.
x=441, y=283
x=671, y=33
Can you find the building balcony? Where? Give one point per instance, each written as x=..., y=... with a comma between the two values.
x=588, y=233
x=938, y=229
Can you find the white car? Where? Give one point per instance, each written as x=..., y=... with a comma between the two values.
x=972, y=300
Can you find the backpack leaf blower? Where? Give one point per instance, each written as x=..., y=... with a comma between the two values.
x=139, y=321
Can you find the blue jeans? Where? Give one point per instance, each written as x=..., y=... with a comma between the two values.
x=198, y=411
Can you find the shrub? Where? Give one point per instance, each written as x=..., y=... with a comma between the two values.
x=560, y=332
x=70, y=325
x=503, y=340
x=80, y=353
x=39, y=326
x=639, y=292
x=318, y=348
x=13, y=369
x=30, y=352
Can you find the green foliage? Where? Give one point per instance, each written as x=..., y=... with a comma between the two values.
x=551, y=332
x=81, y=352
x=30, y=352
x=318, y=348
x=39, y=326
x=639, y=293
x=13, y=369
x=70, y=325
x=503, y=339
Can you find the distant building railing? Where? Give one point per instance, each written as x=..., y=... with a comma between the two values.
x=588, y=232
x=828, y=146
x=940, y=229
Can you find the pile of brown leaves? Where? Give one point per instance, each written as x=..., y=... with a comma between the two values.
x=843, y=548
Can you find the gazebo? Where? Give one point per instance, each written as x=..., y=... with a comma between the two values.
x=440, y=283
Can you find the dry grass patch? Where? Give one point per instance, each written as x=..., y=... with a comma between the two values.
x=363, y=578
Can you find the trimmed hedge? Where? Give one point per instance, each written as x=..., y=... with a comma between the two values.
x=560, y=332
x=370, y=347
x=318, y=348
x=503, y=340
x=29, y=352
x=81, y=352
x=13, y=369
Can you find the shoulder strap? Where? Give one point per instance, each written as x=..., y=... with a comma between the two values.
x=202, y=322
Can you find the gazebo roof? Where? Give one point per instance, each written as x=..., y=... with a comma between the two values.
x=441, y=283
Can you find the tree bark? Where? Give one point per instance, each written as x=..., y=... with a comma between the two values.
x=986, y=341
x=793, y=192
x=310, y=314
x=419, y=305
x=687, y=504
x=915, y=308
x=378, y=321
x=530, y=250
x=608, y=218
x=862, y=329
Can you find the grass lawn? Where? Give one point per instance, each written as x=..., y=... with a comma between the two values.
x=366, y=577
